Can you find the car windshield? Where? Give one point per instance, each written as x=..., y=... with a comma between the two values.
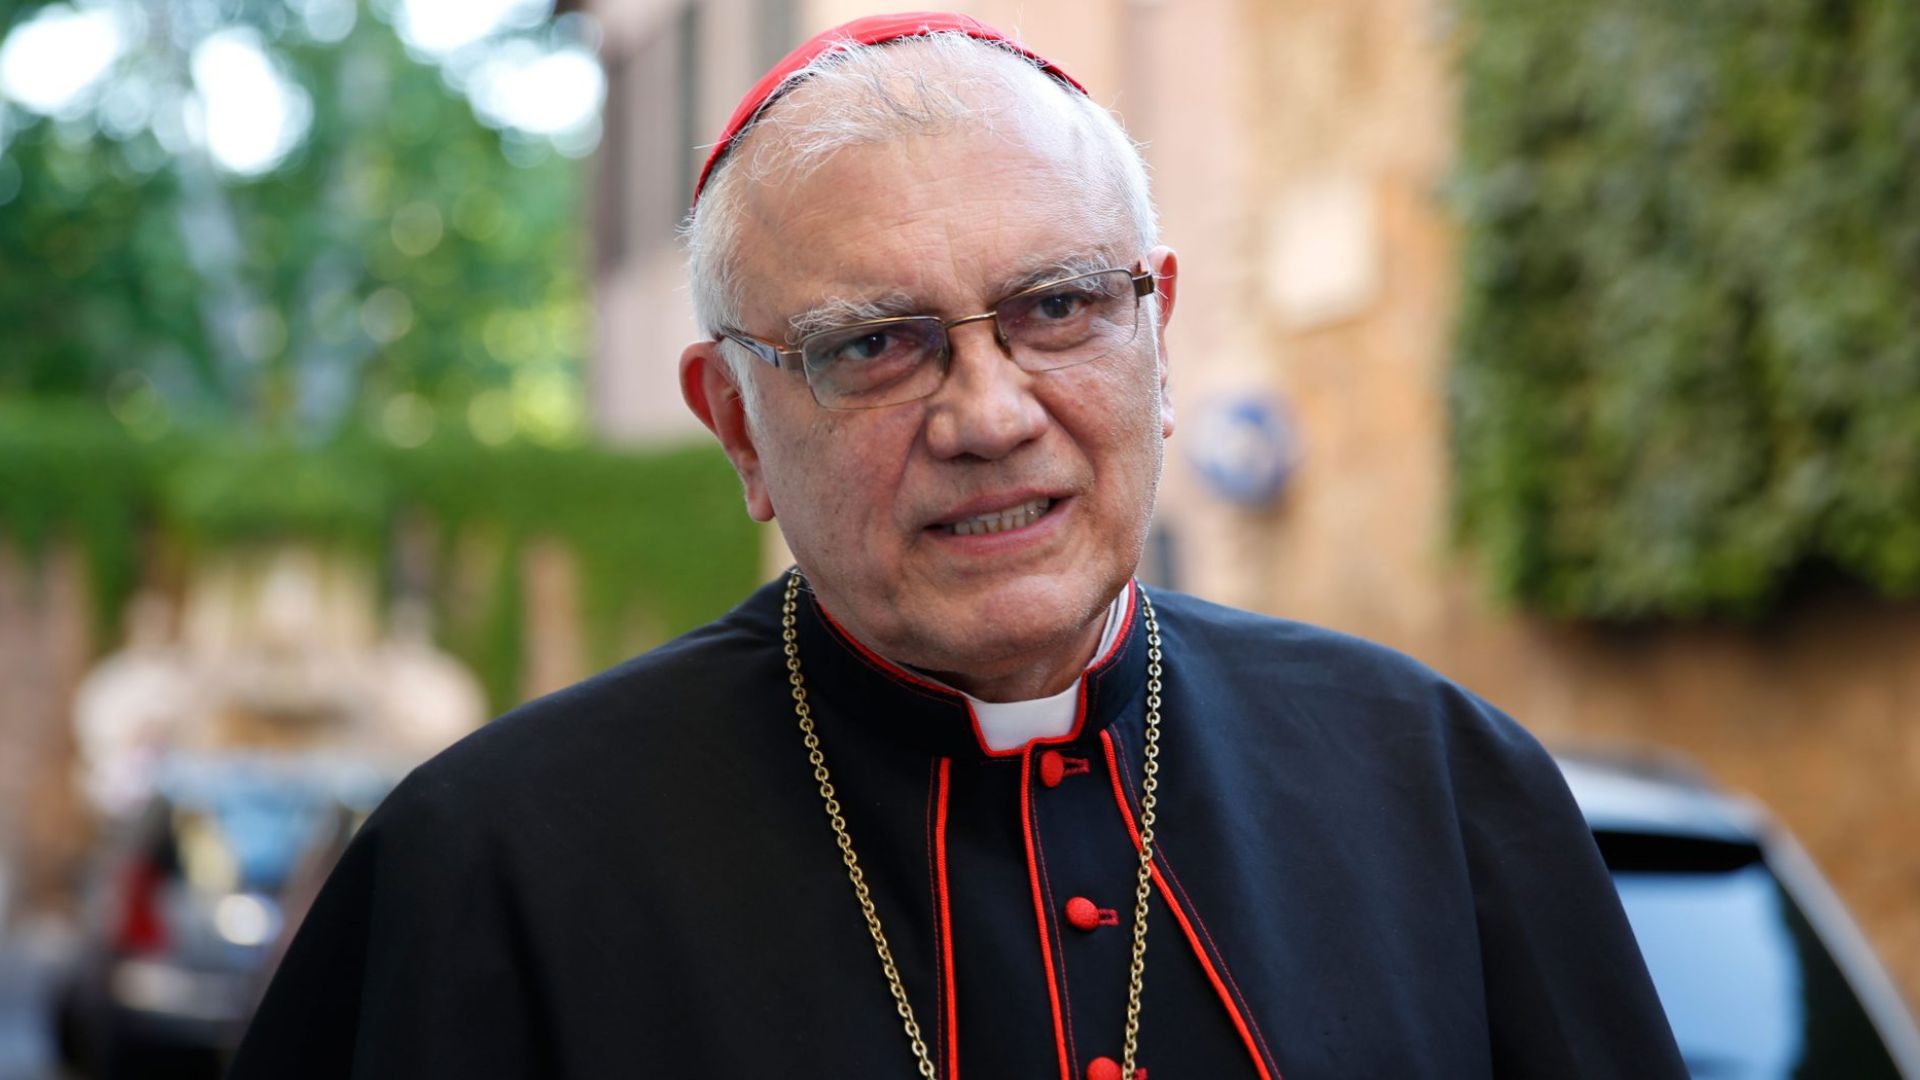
x=1749, y=988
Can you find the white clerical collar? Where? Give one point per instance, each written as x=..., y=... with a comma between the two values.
x=1009, y=725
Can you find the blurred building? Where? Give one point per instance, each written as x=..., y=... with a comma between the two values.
x=1298, y=148
x=276, y=651
x=45, y=647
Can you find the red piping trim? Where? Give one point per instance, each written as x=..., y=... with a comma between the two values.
x=894, y=671
x=1040, y=913
x=946, y=924
x=1180, y=916
x=1173, y=876
x=1060, y=950
x=933, y=902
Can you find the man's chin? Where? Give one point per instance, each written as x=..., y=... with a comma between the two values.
x=1019, y=637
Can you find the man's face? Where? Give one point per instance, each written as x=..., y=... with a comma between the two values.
x=868, y=499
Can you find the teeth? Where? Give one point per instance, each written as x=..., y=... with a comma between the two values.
x=1001, y=520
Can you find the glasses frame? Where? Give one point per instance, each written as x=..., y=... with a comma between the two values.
x=776, y=354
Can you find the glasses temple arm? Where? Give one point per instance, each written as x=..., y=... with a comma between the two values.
x=765, y=350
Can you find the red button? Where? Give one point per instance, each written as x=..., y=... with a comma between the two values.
x=1053, y=768
x=1105, y=1068
x=1082, y=913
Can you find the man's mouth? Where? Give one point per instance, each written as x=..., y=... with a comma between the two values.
x=998, y=521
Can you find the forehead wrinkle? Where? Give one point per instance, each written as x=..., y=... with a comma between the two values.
x=931, y=265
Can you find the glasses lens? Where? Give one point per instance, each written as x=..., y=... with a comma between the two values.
x=868, y=365
x=1071, y=322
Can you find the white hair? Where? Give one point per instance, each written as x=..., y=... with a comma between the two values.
x=925, y=85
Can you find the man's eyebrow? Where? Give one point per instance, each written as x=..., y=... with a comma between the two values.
x=838, y=311
x=1073, y=265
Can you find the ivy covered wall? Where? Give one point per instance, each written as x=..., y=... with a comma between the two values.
x=1688, y=357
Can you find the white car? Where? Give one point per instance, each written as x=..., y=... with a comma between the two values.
x=1762, y=973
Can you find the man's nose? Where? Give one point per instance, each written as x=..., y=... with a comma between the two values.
x=987, y=407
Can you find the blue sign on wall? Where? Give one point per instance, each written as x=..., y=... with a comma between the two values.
x=1245, y=447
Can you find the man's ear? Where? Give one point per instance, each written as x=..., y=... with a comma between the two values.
x=707, y=382
x=1166, y=273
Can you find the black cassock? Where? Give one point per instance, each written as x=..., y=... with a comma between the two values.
x=1363, y=871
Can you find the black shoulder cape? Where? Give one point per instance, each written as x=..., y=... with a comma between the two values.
x=1362, y=871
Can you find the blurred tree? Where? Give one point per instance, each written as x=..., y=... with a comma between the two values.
x=325, y=264
x=377, y=252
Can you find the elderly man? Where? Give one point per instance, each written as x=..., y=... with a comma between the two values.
x=956, y=794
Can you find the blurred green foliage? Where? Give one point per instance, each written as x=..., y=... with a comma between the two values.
x=68, y=473
x=1688, y=362
x=403, y=248
x=658, y=536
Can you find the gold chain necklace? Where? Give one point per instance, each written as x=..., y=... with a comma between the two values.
x=1149, y=784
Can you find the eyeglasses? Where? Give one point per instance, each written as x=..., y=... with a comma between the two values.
x=880, y=362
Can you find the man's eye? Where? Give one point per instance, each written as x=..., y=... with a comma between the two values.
x=1062, y=305
x=867, y=348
